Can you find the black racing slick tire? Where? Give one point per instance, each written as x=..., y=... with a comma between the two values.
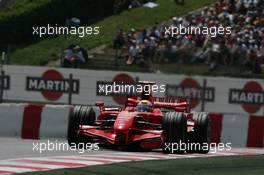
x=202, y=132
x=174, y=125
x=79, y=115
x=87, y=115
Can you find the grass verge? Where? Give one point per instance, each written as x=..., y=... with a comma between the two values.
x=235, y=165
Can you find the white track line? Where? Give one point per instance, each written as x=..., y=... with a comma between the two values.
x=147, y=155
x=121, y=157
x=223, y=153
x=17, y=170
x=81, y=161
x=11, y=162
x=66, y=161
x=102, y=159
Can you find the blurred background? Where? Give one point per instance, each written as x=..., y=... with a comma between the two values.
x=132, y=37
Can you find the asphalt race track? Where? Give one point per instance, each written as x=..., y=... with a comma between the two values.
x=17, y=156
x=12, y=148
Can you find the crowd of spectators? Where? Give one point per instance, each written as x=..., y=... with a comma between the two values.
x=243, y=47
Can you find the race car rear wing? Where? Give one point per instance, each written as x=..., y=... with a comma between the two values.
x=179, y=105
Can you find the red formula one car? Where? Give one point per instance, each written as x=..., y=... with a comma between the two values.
x=145, y=123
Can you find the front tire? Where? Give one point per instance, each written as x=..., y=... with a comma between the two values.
x=174, y=125
x=79, y=115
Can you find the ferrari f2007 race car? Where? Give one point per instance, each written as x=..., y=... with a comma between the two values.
x=142, y=123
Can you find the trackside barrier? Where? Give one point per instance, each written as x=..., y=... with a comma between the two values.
x=239, y=129
x=11, y=118
x=50, y=121
x=33, y=121
x=47, y=121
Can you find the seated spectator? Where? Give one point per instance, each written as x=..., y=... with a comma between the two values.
x=119, y=43
x=133, y=53
x=161, y=49
x=253, y=61
x=133, y=4
x=74, y=56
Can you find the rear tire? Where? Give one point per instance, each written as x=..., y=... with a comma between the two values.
x=174, y=125
x=79, y=115
x=202, y=133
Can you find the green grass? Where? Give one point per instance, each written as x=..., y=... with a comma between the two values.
x=21, y=6
x=40, y=53
x=237, y=165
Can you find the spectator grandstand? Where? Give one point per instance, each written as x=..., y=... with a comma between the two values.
x=244, y=47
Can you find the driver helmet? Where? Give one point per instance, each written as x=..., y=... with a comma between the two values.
x=144, y=106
